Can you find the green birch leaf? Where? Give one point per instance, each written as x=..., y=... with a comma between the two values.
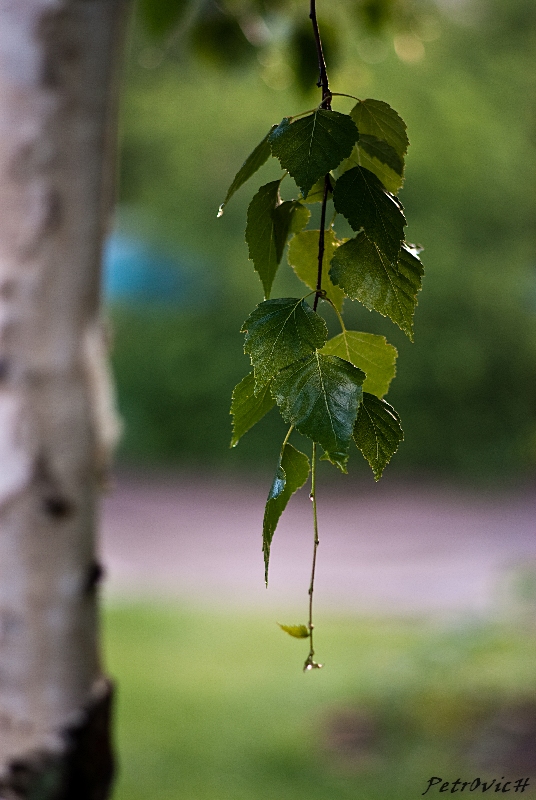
x=311, y=146
x=320, y=396
x=359, y=195
x=290, y=217
x=292, y=472
x=389, y=178
x=247, y=407
x=303, y=258
x=300, y=218
x=298, y=631
x=253, y=162
x=386, y=285
x=376, y=118
x=383, y=152
x=279, y=332
x=369, y=352
x=261, y=235
x=377, y=432
x=411, y=266
x=316, y=193
x=391, y=181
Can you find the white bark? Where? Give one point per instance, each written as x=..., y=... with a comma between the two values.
x=57, y=61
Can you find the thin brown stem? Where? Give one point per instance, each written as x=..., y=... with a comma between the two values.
x=310, y=663
x=321, y=241
x=323, y=82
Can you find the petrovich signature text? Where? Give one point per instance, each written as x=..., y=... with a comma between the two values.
x=477, y=785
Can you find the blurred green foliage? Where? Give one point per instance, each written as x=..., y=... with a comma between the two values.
x=466, y=390
x=210, y=708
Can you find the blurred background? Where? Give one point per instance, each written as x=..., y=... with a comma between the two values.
x=427, y=582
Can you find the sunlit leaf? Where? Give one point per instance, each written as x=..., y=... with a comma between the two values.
x=377, y=432
x=316, y=193
x=386, y=285
x=360, y=158
x=360, y=196
x=290, y=217
x=369, y=352
x=376, y=118
x=250, y=166
x=389, y=178
x=292, y=472
x=260, y=233
x=280, y=332
x=311, y=146
x=382, y=152
x=303, y=258
x=247, y=407
x=320, y=395
x=298, y=631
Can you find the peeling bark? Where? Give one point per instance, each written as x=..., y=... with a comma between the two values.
x=58, y=62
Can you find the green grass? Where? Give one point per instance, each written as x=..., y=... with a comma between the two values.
x=214, y=706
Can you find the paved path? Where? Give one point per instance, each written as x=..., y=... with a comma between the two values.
x=383, y=548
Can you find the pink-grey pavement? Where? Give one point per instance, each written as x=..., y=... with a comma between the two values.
x=385, y=548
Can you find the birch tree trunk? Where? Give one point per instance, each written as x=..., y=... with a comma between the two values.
x=58, y=62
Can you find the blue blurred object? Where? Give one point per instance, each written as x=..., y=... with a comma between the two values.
x=135, y=271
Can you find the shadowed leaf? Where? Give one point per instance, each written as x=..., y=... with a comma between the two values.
x=377, y=432
x=247, y=407
x=250, y=166
x=311, y=146
x=320, y=395
x=386, y=285
x=260, y=233
x=279, y=332
x=360, y=196
x=292, y=472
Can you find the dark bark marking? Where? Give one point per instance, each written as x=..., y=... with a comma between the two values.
x=85, y=770
x=61, y=50
x=94, y=575
x=57, y=506
x=54, y=502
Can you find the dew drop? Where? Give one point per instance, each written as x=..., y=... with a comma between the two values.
x=311, y=497
x=220, y=211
